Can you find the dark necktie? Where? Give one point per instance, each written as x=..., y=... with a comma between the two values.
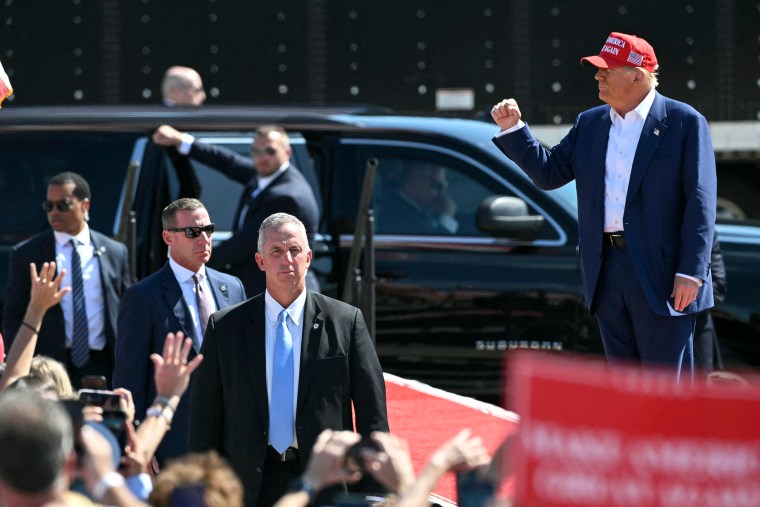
x=205, y=306
x=281, y=405
x=80, y=343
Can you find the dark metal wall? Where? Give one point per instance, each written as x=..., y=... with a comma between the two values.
x=396, y=53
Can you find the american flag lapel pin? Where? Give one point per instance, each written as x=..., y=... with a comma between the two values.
x=656, y=132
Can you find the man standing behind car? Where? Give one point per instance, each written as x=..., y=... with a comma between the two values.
x=272, y=185
x=181, y=296
x=645, y=175
x=80, y=332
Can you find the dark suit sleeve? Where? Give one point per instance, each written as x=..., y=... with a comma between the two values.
x=132, y=369
x=206, y=403
x=242, y=245
x=549, y=169
x=718, y=272
x=126, y=275
x=227, y=162
x=16, y=296
x=699, y=193
x=367, y=383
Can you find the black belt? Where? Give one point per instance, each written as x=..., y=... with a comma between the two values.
x=290, y=454
x=616, y=239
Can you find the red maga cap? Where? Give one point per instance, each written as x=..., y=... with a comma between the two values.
x=623, y=49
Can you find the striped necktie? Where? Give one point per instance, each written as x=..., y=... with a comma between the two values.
x=80, y=343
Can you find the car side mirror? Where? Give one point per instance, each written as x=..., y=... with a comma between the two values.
x=502, y=215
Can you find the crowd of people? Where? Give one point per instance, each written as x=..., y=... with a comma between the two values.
x=274, y=392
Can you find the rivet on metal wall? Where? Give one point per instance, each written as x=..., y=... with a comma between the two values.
x=76, y=19
x=421, y=46
x=421, y=14
x=78, y=94
x=354, y=90
x=146, y=70
x=146, y=51
x=282, y=89
x=215, y=92
x=352, y=15
x=556, y=62
x=353, y=66
x=623, y=10
x=145, y=19
x=213, y=68
x=147, y=93
x=8, y=21
x=422, y=89
x=213, y=49
x=280, y=16
x=488, y=13
x=689, y=40
x=690, y=60
x=689, y=9
x=554, y=10
x=555, y=43
x=77, y=71
x=691, y=84
x=282, y=48
x=556, y=87
x=77, y=52
x=488, y=44
x=353, y=46
x=489, y=88
x=213, y=17
x=282, y=67
x=421, y=65
x=557, y=119
x=488, y=64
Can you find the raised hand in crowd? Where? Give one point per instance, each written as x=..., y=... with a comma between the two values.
x=462, y=453
x=172, y=377
x=46, y=292
x=392, y=466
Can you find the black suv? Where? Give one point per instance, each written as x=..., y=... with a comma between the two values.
x=449, y=304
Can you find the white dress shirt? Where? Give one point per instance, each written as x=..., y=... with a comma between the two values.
x=93, y=290
x=185, y=279
x=295, y=326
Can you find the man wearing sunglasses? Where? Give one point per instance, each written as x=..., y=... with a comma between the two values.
x=178, y=297
x=272, y=185
x=80, y=332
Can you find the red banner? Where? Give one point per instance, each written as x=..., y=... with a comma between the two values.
x=590, y=436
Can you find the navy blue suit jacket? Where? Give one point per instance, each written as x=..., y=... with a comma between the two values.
x=288, y=193
x=230, y=405
x=149, y=310
x=670, y=206
x=114, y=279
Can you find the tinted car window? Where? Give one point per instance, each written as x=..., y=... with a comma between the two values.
x=29, y=161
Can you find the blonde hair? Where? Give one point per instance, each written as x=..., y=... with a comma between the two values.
x=49, y=368
x=221, y=487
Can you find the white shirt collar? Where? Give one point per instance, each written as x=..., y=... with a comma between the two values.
x=295, y=310
x=182, y=274
x=642, y=110
x=265, y=181
x=64, y=237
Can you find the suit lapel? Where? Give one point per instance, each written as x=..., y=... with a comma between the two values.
x=173, y=297
x=220, y=289
x=313, y=325
x=255, y=344
x=598, y=158
x=655, y=129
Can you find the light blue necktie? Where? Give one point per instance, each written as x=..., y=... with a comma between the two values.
x=281, y=404
x=80, y=343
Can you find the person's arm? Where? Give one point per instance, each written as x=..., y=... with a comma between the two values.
x=45, y=293
x=133, y=347
x=228, y=162
x=462, y=453
x=172, y=378
x=367, y=383
x=102, y=480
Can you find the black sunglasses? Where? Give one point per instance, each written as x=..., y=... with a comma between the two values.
x=193, y=232
x=62, y=205
x=267, y=151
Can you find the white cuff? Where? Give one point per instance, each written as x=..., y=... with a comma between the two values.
x=107, y=481
x=186, y=144
x=692, y=278
x=520, y=124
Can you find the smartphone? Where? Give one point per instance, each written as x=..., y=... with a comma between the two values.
x=100, y=398
x=97, y=382
x=473, y=489
x=115, y=420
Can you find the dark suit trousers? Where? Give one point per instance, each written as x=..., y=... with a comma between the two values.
x=275, y=481
x=631, y=331
x=99, y=364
